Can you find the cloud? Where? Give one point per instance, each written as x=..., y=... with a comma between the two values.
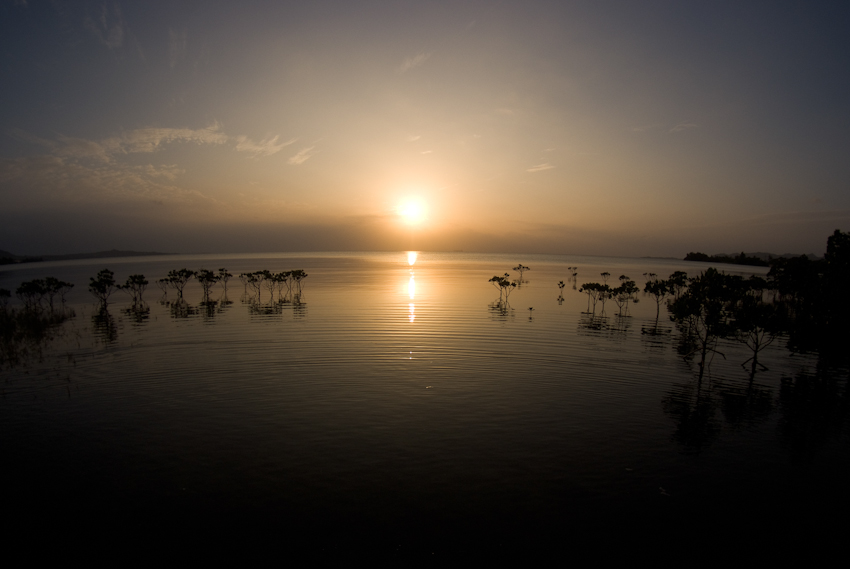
x=682, y=126
x=265, y=147
x=413, y=138
x=150, y=139
x=80, y=148
x=302, y=156
x=177, y=44
x=427, y=152
x=540, y=168
x=109, y=29
x=412, y=62
x=40, y=182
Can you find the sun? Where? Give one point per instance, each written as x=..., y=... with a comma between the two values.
x=412, y=212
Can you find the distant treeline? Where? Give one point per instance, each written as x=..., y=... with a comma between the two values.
x=741, y=259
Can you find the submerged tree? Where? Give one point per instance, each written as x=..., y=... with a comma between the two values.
x=178, y=279
x=702, y=311
x=102, y=286
x=298, y=276
x=135, y=287
x=659, y=290
x=504, y=286
x=521, y=269
x=755, y=322
x=31, y=293
x=595, y=292
x=625, y=294
x=207, y=279
x=677, y=283
x=223, y=277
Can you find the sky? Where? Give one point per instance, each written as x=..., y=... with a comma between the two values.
x=649, y=128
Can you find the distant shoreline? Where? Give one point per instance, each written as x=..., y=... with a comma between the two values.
x=7, y=258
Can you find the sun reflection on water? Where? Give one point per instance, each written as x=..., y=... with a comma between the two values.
x=411, y=257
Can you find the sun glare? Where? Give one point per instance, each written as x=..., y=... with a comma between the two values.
x=412, y=212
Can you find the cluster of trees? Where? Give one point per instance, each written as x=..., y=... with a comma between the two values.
x=275, y=282
x=42, y=294
x=741, y=259
x=812, y=295
x=623, y=295
x=23, y=332
x=505, y=285
x=805, y=300
x=38, y=294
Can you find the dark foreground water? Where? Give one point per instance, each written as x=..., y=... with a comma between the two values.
x=397, y=412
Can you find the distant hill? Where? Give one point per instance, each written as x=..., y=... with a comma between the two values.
x=7, y=258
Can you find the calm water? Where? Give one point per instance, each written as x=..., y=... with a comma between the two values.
x=397, y=410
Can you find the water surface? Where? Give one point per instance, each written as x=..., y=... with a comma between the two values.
x=398, y=408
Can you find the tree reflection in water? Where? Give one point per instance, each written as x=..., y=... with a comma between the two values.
x=814, y=409
x=26, y=332
x=104, y=326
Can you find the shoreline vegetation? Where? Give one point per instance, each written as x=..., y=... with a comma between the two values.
x=753, y=259
x=801, y=299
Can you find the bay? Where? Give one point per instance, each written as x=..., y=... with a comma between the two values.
x=398, y=410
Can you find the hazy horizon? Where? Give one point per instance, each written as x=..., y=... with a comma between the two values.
x=618, y=129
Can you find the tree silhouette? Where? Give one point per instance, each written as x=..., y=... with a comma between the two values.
x=135, y=287
x=102, y=286
x=177, y=279
x=755, y=322
x=298, y=276
x=595, y=292
x=223, y=277
x=521, y=269
x=625, y=294
x=504, y=286
x=207, y=279
x=702, y=311
x=31, y=293
x=659, y=290
x=677, y=283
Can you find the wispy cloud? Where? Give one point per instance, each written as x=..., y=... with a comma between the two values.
x=57, y=180
x=150, y=139
x=412, y=62
x=302, y=156
x=265, y=147
x=109, y=29
x=427, y=152
x=682, y=126
x=540, y=168
x=413, y=138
